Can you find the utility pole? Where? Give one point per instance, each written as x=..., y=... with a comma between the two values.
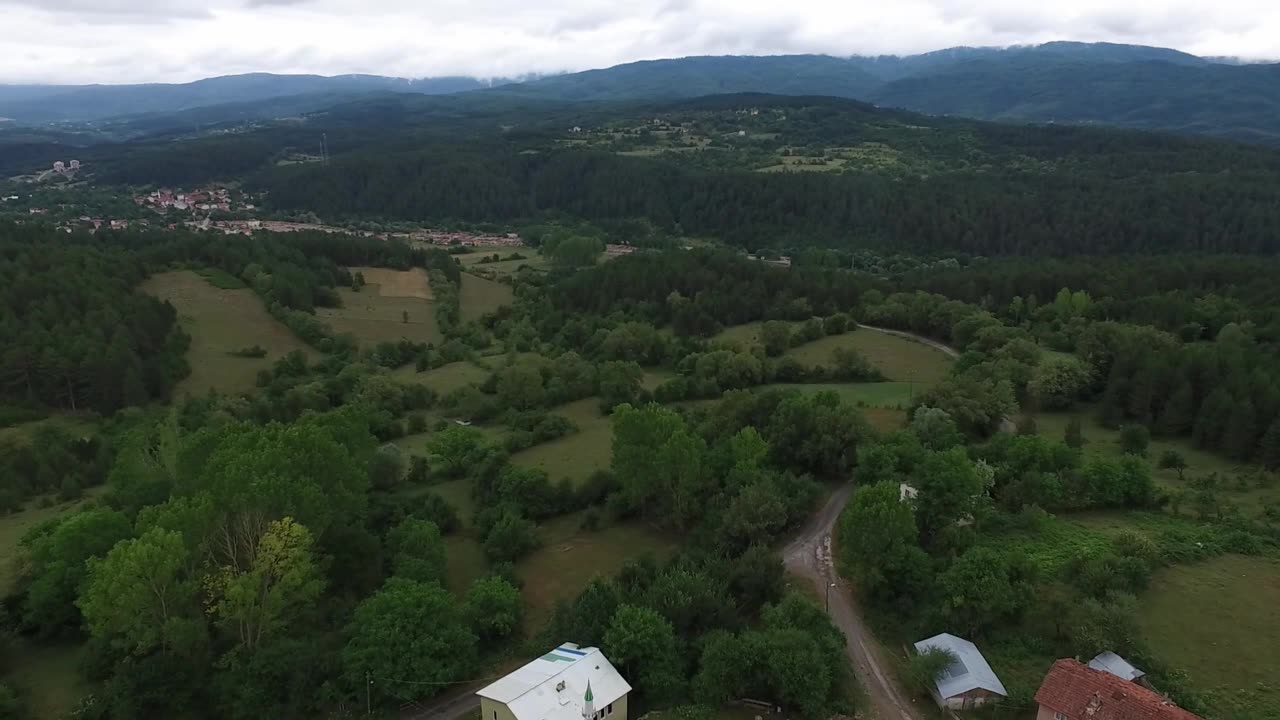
x=368, y=697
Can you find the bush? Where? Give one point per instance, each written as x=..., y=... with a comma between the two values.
x=257, y=351
x=510, y=537
x=1134, y=439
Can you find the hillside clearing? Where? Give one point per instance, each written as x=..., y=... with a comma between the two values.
x=397, y=283
x=221, y=321
x=576, y=455
x=898, y=358
x=479, y=296
x=446, y=378
x=373, y=317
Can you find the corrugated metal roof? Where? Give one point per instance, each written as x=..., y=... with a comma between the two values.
x=531, y=692
x=1116, y=665
x=970, y=671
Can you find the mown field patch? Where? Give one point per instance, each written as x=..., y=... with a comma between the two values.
x=373, y=317
x=576, y=455
x=1217, y=620
x=889, y=395
x=898, y=358
x=446, y=378
x=479, y=296
x=397, y=283
x=570, y=557
x=221, y=321
x=48, y=675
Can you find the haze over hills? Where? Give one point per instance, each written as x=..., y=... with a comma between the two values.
x=52, y=103
x=1064, y=82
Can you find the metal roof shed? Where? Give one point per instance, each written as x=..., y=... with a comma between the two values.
x=969, y=673
x=1116, y=665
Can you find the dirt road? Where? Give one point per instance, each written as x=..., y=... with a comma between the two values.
x=809, y=556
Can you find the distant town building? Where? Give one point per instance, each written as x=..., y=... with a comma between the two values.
x=75, y=165
x=59, y=167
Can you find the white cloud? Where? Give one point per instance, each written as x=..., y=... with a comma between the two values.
x=179, y=40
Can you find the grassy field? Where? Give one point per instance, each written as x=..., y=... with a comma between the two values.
x=220, y=321
x=373, y=316
x=446, y=378
x=655, y=377
x=417, y=444
x=1217, y=620
x=532, y=261
x=570, y=557
x=465, y=564
x=67, y=423
x=15, y=525
x=48, y=675
x=899, y=358
x=479, y=296
x=576, y=455
x=567, y=559
x=397, y=283
x=888, y=395
x=1104, y=441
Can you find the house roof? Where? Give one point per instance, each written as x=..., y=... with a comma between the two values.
x=970, y=671
x=553, y=686
x=1079, y=691
x=1116, y=665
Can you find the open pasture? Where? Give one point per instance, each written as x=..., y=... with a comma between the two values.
x=397, y=283
x=578, y=454
x=221, y=321
x=479, y=296
x=372, y=316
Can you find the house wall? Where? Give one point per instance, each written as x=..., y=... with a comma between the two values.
x=494, y=710
x=972, y=699
x=1045, y=713
x=619, y=709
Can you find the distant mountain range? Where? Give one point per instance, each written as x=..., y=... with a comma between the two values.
x=54, y=103
x=1065, y=82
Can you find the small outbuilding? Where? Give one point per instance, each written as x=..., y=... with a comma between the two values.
x=969, y=682
x=1118, y=666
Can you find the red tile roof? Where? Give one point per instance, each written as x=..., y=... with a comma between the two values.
x=1082, y=693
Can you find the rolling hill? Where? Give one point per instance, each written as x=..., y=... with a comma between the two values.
x=1061, y=82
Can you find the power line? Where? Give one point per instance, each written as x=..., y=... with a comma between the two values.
x=430, y=682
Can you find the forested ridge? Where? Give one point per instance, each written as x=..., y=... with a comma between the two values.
x=967, y=187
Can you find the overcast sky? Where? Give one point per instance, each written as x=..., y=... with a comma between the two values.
x=114, y=41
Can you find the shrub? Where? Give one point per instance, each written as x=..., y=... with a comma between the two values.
x=256, y=351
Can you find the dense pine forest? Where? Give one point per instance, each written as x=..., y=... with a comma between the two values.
x=950, y=186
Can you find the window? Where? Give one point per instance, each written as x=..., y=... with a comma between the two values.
x=609, y=710
x=495, y=715
x=1059, y=716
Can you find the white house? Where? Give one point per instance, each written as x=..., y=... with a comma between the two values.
x=568, y=683
x=969, y=682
